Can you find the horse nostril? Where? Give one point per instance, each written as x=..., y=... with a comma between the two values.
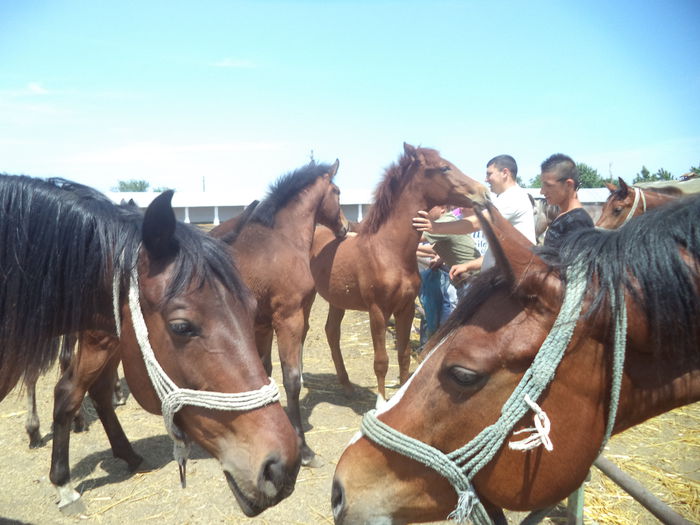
x=272, y=476
x=337, y=500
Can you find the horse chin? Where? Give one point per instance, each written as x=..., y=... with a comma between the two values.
x=249, y=506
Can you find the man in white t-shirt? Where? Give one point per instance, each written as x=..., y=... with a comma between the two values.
x=511, y=200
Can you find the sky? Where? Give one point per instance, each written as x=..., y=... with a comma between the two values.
x=227, y=96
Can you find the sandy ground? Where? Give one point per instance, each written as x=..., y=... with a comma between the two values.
x=112, y=495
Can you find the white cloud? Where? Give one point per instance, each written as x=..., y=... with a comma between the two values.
x=35, y=88
x=234, y=63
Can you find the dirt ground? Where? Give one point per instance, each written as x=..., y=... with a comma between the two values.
x=112, y=495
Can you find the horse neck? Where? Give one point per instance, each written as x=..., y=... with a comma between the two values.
x=297, y=220
x=396, y=233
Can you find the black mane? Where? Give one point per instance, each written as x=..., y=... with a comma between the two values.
x=645, y=257
x=285, y=189
x=61, y=245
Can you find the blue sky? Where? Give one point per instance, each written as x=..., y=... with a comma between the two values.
x=238, y=93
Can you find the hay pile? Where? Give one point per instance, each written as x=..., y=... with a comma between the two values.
x=664, y=455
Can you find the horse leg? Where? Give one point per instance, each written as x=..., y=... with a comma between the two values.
x=31, y=423
x=101, y=392
x=335, y=317
x=289, y=335
x=87, y=364
x=118, y=395
x=377, y=323
x=404, y=320
x=263, y=342
x=79, y=423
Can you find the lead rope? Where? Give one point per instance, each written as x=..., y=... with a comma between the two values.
x=173, y=398
x=461, y=465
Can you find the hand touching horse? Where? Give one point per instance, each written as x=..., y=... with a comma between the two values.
x=376, y=270
x=535, y=340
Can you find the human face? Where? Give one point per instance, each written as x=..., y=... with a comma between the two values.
x=555, y=189
x=497, y=179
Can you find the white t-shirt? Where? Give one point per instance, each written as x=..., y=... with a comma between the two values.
x=514, y=204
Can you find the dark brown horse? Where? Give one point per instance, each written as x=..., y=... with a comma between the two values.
x=164, y=298
x=626, y=202
x=463, y=391
x=270, y=244
x=376, y=270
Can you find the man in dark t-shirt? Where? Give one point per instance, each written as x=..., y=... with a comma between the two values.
x=560, y=182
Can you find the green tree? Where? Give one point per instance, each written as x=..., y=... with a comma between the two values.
x=589, y=177
x=132, y=185
x=645, y=175
x=695, y=169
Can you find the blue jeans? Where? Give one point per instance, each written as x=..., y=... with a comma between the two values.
x=438, y=297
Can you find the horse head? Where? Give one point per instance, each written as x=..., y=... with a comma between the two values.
x=617, y=208
x=462, y=394
x=199, y=320
x=442, y=181
x=329, y=213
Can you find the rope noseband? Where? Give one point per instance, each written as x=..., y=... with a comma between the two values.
x=461, y=465
x=173, y=398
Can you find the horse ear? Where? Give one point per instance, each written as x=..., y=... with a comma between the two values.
x=158, y=229
x=334, y=169
x=409, y=150
x=624, y=188
x=611, y=187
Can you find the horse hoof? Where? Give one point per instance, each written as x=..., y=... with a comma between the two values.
x=35, y=440
x=136, y=464
x=313, y=462
x=73, y=508
x=349, y=390
x=380, y=402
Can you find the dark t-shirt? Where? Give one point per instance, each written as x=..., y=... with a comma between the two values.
x=565, y=224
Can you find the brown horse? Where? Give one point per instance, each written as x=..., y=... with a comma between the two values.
x=164, y=298
x=626, y=202
x=489, y=348
x=271, y=243
x=376, y=270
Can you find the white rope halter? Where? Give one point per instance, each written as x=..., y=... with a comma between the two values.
x=638, y=193
x=173, y=398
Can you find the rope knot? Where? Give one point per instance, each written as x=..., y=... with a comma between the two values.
x=540, y=431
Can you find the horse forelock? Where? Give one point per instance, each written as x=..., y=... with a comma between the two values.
x=388, y=191
x=201, y=259
x=284, y=189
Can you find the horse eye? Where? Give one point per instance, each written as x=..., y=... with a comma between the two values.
x=182, y=327
x=465, y=377
x=617, y=210
x=445, y=169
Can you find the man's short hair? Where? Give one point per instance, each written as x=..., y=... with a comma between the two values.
x=564, y=167
x=504, y=161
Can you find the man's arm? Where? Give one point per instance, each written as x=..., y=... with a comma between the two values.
x=467, y=225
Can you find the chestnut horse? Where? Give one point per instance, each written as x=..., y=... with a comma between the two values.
x=626, y=202
x=164, y=298
x=270, y=243
x=376, y=270
x=640, y=280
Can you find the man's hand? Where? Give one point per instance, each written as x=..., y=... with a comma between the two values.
x=422, y=223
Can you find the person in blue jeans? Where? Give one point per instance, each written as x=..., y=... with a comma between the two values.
x=438, y=294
